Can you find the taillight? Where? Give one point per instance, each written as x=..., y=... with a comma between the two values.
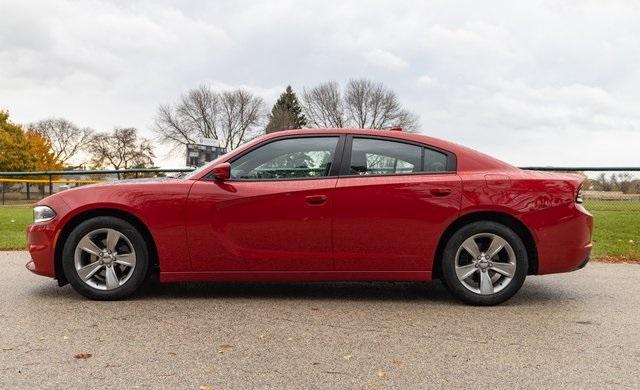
x=579, y=195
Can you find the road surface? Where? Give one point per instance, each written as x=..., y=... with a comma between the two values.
x=575, y=330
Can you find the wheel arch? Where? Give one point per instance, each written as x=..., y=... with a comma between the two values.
x=102, y=212
x=494, y=216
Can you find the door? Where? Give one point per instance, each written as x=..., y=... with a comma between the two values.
x=392, y=203
x=275, y=212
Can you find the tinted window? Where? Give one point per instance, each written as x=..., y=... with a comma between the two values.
x=379, y=157
x=434, y=161
x=287, y=158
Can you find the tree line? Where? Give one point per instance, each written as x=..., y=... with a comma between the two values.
x=52, y=144
x=236, y=116
x=623, y=182
x=232, y=117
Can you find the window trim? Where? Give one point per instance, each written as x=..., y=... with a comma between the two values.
x=345, y=168
x=333, y=171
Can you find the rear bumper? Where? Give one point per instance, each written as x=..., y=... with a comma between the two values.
x=584, y=263
x=565, y=246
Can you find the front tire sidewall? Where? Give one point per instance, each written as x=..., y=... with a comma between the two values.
x=448, y=263
x=139, y=272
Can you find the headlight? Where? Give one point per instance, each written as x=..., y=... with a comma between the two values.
x=43, y=214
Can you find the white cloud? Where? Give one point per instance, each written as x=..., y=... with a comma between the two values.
x=426, y=80
x=385, y=59
x=546, y=83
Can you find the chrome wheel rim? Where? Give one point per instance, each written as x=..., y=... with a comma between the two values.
x=104, y=259
x=485, y=263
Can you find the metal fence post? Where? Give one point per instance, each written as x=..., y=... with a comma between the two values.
x=2, y=193
x=50, y=185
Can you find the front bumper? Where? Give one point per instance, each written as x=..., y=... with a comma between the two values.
x=42, y=238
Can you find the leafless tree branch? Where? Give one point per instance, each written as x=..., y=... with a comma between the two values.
x=66, y=138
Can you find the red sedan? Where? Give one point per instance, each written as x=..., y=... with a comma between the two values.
x=319, y=205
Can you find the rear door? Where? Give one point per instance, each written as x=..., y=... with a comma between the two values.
x=392, y=202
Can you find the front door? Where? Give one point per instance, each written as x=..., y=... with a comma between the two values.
x=274, y=214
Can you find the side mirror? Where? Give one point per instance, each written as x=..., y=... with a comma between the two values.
x=222, y=171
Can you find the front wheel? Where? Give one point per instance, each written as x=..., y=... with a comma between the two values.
x=105, y=258
x=484, y=263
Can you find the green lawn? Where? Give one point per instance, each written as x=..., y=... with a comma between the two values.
x=617, y=229
x=616, y=234
x=13, y=225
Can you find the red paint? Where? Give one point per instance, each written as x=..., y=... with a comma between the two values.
x=332, y=228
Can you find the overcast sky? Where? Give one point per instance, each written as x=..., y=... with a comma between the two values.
x=532, y=83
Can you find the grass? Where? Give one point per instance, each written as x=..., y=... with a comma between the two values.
x=13, y=226
x=616, y=235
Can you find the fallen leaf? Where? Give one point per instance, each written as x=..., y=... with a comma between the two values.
x=224, y=347
x=7, y=349
x=83, y=355
x=290, y=339
x=206, y=387
x=172, y=353
x=382, y=374
x=65, y=338
x=315, y=309
x=347, y=357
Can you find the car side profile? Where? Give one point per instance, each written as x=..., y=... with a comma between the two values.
x=320, y=205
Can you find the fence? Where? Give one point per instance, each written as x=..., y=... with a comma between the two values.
x=612, y=195
x=29, y=187
x=605, y=188
x=613, y=189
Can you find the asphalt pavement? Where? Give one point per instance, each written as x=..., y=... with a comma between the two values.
x=575, y=330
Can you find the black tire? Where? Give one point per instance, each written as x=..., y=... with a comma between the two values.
x=463, y=293
x=140, y=270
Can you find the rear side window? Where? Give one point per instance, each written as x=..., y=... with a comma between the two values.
x=380, y=157
x=287, y=159
x=434, y=161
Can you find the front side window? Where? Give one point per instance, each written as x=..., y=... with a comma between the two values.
x=380, y=157
x=287, y=159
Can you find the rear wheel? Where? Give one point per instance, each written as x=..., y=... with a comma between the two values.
x=484, y=263
x=105, y=258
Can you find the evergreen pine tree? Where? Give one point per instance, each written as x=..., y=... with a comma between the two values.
x=286, y=113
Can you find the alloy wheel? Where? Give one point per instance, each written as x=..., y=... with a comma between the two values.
x=485, y=263
x=104, y=259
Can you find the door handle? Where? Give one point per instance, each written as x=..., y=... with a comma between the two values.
x=315, y=200
x=440, y=191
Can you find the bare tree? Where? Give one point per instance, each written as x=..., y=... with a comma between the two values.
x=364, y=104
x=371, y=105
x=231, y=117
x=241, y=112
x=323, y=106
x=66, y=138
x=121, y=149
